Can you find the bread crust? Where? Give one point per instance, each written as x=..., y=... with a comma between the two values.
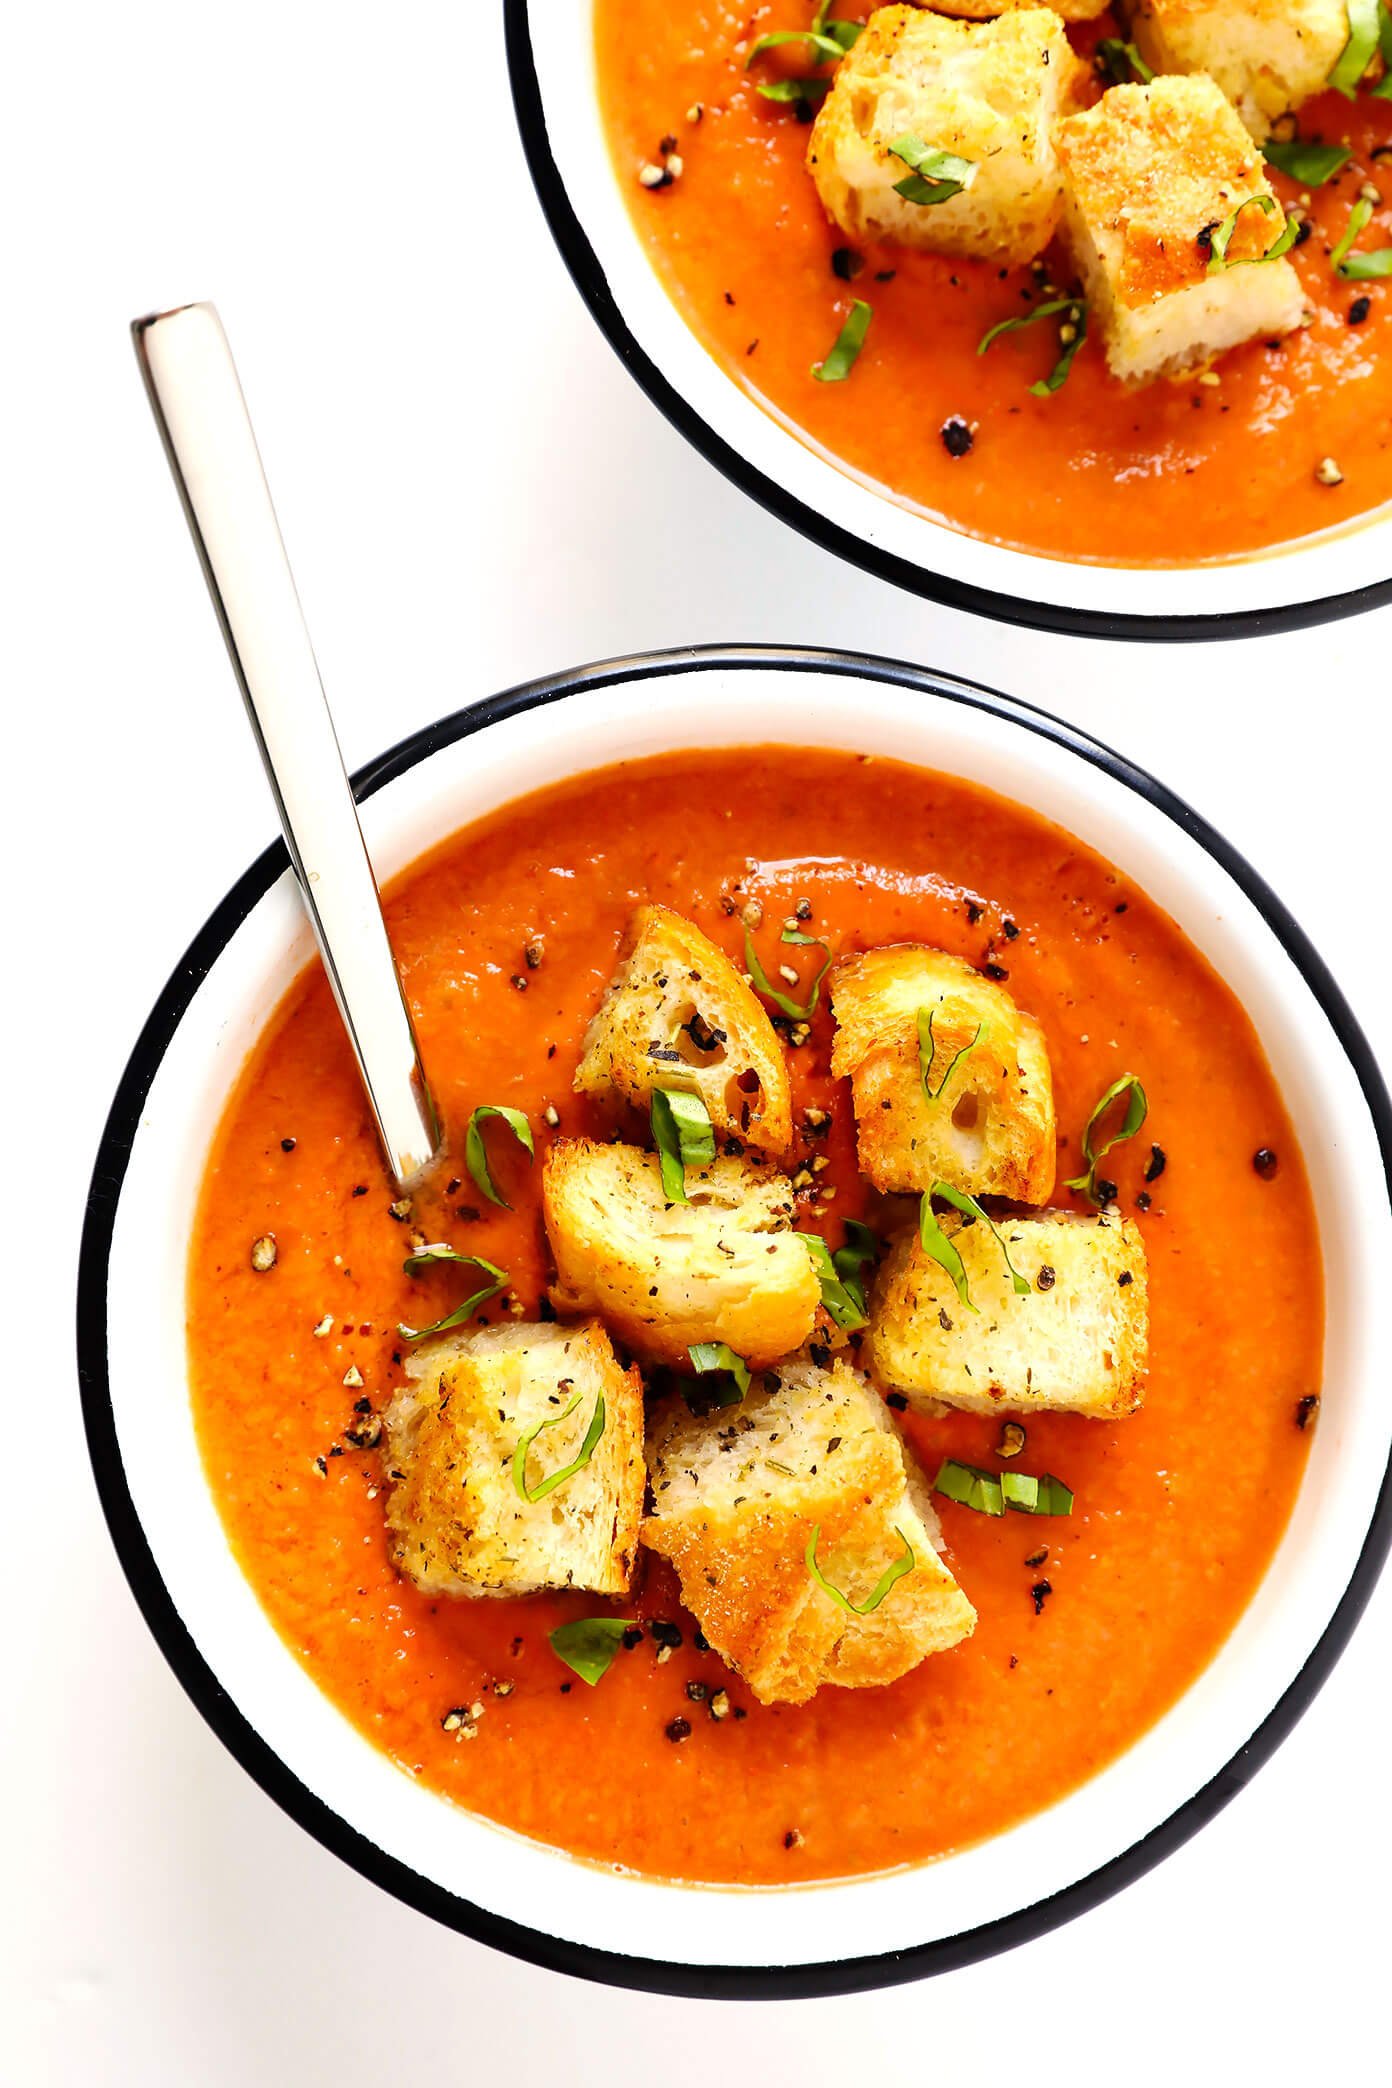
x=723, y=1267
x=991, y=1130
x=1267, y=56
x=1149, y=174
x=1076, y=1343
x=736, y=1500
x=456, y=1522
x=988, y=91
x=673, y=988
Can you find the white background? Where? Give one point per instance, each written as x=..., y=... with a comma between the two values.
x=473, y=492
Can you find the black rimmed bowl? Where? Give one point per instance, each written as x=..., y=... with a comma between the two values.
x=552, y=62
x=520, y=1895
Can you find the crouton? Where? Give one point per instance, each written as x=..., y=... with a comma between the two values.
x=457, y=1522
x=1267, y=56
x=722, y=1267
x=1075, y=1343
x=988, y=1125
x=1150, y=176
x=736, y=1501
x=988, y=92
x=676, y=1014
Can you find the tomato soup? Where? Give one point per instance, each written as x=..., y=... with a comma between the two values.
x=1181, y=471
x=1090, y=1625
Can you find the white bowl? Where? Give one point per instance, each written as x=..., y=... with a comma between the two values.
x=518, y=1894
x=552, y=63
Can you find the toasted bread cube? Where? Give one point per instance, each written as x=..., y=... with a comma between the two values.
x=989, y=92
x=1267, y=56
x=990, y=1130
x=1149, y=175
x=986, y=10
x=677, y=1014
x=721, y=1267
x=736, y=1500
x=456, y=1520
x=1075, y=1343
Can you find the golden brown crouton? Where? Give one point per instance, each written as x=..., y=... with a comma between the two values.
x=1075, y=1342
x=1268, y=56
x=988, y=1124
x=736, y=1500
x=722, y=1267
x=986, y=10
x=1151, y=176
x=458, y=1523
x=676, y=1014
x=987, y=92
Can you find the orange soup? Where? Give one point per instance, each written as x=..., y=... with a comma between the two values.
x=1090, y=1624
x=1183, y=470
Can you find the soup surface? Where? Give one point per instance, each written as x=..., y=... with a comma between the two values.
x=1178, y=1508
x=1180, y=471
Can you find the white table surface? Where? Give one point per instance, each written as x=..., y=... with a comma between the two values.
x=473, y=492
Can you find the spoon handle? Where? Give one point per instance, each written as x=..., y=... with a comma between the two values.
x=201, y=414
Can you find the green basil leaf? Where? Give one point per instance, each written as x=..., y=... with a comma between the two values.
x=843, y=1297
x=1360, y=268
x=845, y=33
x=970, y=1486
x=588, y=1645
x=1383, y=89
x=577, y=1464
x=1044, y=387
x=1222, y=234
x=1040, y=311
x=476, y=1154
x=927, y=1050
x=937, y=175
x=847, y=345
x=1131, y=1122
x=905, y=1563
x=1305, y=161
x=1075, y=316
x=1353, y=61
x=1357, y=219
x=798, y=1011
x=793, y=90
x=1029, y=1495
x=825, y=48
x=1120, y=63
x=682, y=1133
x=862, y=1249
x=936, y=1243
x=425, y=1258
x=708, y=1356
x=970, y=1208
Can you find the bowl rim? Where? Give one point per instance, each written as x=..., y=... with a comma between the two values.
x=588, y=274
x=258, y=1758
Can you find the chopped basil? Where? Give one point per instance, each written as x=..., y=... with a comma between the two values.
x=1120, y=62
x=681, y=1129
x=847, y=346
x=1360, y=268
x=1132, y=1120
x=707, y=1356
x=845, y=33
x=937, y=175
x=1222, y=234
x=970, y=1486
x=793, y=90
x=861, y=1250
x=843, y=1298
x=1029, y=1495
x=588, y=1645
x=426, y=1257
x=905, y=1563
x=991, y=1493
x=927, y=1050
x=1075, y=311
x=476, y=1154
x=825, y=47
x=1353, y=61
x=577, y=1464
x=798, y=1012
x=1383, y=89
x=935, y=1240
x=1305, y=161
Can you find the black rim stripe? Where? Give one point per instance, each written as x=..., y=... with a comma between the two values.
x=201, y=1684
x=589, y=278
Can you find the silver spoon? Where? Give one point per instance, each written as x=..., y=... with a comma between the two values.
x=201, y=414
